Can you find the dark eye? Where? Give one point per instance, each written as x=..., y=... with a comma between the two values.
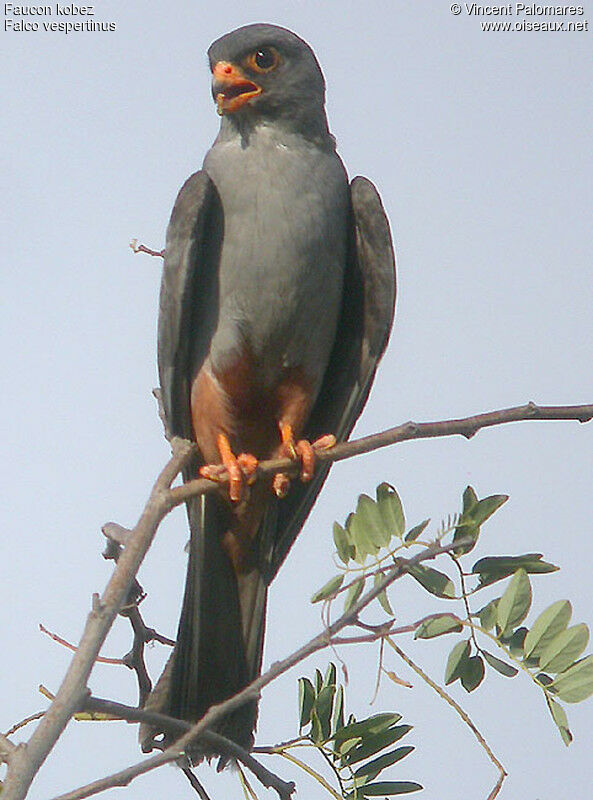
x=263, y=59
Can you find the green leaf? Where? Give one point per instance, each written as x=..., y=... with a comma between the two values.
x=486, y=507
x=470, y=499
x=438, y=626
x=329, y=679
x=457, y=658
x=342, y=543
x=316, y=732
x=361, y=537
x=375, y=766
x=564, y=649
x=388, y=788
x=547, y=626
x=306, y=698
x=391, y=510
x=472, y=673
x=466, y=528
x=500, y=666
x=487, y=615
x=515, y=642
x=560, y=718
x=338, y=717
x=514, y=605
x=382, y=597
x=323, y=707
x=576, y=683
x=369, y=514
x=329, y=590
x=347, y=745
x=318, y=681
x=416, y=531
x=354, y=593
x=497, y=568
x=372, y=743
x=475, y=513
x=364, y=727
x=433, y=581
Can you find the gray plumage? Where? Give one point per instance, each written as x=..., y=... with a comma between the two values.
x=269, y=252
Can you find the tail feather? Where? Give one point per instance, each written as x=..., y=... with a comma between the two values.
x=220, y=635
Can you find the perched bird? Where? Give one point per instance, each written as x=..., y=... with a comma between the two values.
x=276, y=304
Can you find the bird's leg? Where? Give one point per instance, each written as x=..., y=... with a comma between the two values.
x=237, y=467
x=301, y=449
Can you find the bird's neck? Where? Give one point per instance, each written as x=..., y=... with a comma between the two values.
x=246, y=127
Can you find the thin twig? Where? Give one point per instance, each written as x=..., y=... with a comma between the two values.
x=18, y=725
x=74, y=648
x=141, y=248
x=463, y=714
x=313, y=773
x=245, y=785
x=195, y=783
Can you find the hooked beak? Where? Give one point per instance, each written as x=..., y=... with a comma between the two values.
x=231, y=89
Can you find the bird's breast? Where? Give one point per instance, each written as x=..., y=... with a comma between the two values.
x=285, y=208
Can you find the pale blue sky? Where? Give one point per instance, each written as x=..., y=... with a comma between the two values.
x=480, y=144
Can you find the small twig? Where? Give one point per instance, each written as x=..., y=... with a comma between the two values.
x=117, y=538
x=464, y=596
x=195, y=783
x=313, y=773
x=74, y=648
x=18, y=725
x=463, y=714
x=334, y=769
x=141, y=248
x=245, y=785
x=379, y=671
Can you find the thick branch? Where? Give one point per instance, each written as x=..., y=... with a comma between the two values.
x=25, y=761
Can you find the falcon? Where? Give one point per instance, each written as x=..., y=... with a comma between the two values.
x=276, y=304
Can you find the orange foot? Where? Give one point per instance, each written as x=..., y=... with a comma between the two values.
x=303, y=450
x=237, y=467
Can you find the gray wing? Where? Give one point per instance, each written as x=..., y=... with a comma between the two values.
x=188, y=299
x=363, y=331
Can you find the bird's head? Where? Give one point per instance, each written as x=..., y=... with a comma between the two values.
x=264, y=73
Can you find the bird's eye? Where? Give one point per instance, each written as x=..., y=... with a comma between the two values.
x=263, y=59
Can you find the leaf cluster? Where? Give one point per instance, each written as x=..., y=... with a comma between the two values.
x=369, y=544
x=358, y=750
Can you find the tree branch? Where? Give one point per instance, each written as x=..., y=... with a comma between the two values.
x=178, y=727
x=319, y=642
x=24, y=761
x=465, y=426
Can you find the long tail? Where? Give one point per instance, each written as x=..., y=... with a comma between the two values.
x=220, y=635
